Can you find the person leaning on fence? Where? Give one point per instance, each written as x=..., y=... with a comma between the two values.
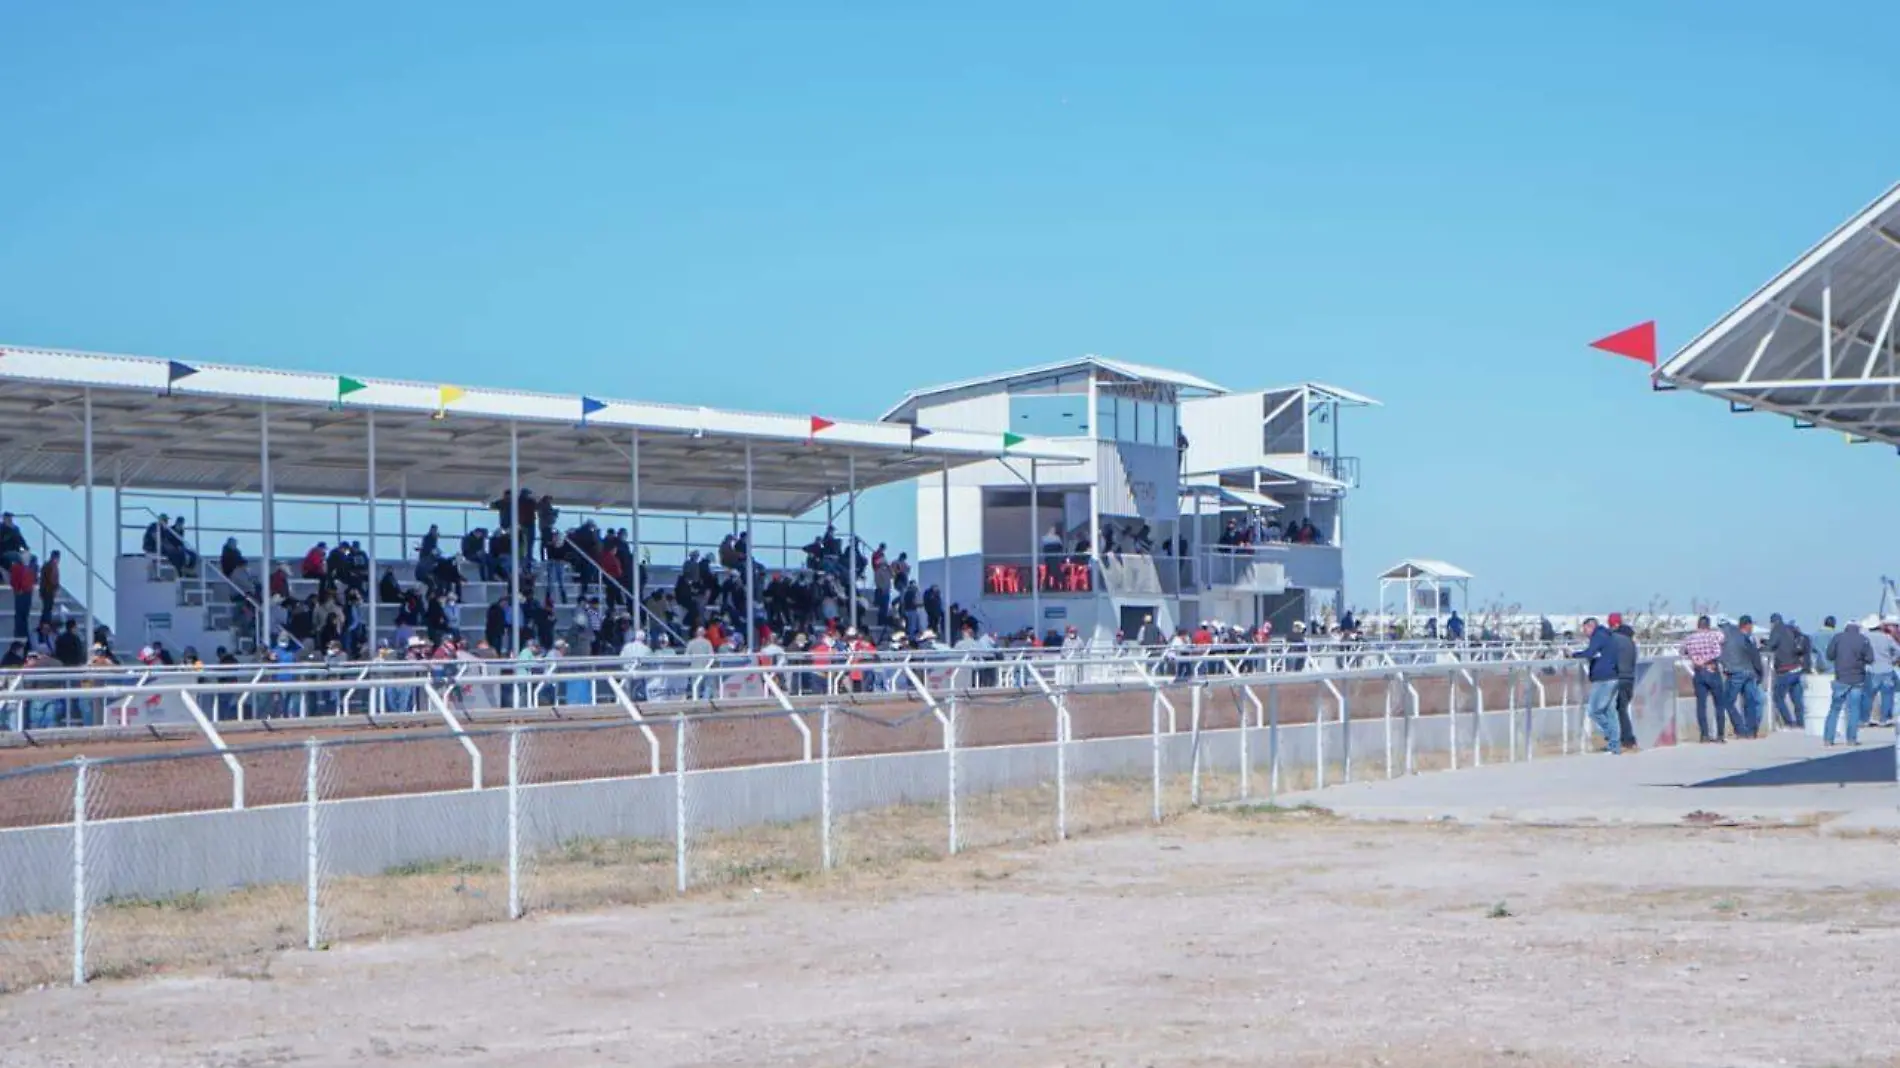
x=1703, y=649
x=1600, y=656
x=1852, y=654
x=1741, y=676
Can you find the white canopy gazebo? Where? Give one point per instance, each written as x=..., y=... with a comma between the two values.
x=1428, y=587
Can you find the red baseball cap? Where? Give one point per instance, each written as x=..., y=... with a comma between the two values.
x=1616, y=619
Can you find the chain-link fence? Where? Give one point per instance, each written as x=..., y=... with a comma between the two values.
x=224, y=858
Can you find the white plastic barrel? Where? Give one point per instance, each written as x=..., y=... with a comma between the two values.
x=1817, y=694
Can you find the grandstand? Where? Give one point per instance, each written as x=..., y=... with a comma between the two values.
x=251, y=445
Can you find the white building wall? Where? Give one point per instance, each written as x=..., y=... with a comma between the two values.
x=1223, y=432
x=987, y=412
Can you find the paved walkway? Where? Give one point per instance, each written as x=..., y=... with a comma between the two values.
x=1785, y=778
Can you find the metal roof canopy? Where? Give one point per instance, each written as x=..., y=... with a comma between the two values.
x=1818, y=341
x=1243, y=498
x=1133, y=372
x=1427, y=569
x=202, y=432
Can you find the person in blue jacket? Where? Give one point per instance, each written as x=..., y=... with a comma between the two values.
x=1600, y=656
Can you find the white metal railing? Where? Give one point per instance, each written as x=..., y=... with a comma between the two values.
x=126, y=869
x=102, y=697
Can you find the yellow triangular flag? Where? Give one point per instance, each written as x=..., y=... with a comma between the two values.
x=445, y=396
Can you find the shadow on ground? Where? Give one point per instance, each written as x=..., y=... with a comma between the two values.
x=1868, y=764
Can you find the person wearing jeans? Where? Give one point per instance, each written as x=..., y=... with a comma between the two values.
x=1881, y=675
x=1741, y=676
x=1701, y=649
x=1849, y=696
x=1600, y=654
x=1852, y=655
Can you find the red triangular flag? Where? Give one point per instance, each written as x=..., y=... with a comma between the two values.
x=819, y=422
x=1638, y=343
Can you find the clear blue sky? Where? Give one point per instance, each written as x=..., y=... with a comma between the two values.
x=736, y=205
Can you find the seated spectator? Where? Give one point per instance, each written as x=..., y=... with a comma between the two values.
x=315, y=562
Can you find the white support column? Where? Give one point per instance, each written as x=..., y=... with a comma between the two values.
x=268, y=503
x=851, y=529
x=369, y=652
x=751, y=572
x=118, y=510
x=92, y=569
x=949, y=625
x=633, y=516
x=1035, y=554
x=514, y=540
x=1827, y=328
x=402, y=515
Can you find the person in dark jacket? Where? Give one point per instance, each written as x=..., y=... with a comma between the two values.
x=1851, y=654
x=1623, y=637
x=1784, y=658
x=1600, y=655
x=1741, y=676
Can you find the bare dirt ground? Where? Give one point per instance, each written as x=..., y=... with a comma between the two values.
x=1225, y=938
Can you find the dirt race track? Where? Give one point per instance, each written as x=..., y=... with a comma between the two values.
x=1226, y=938
x=413, y=754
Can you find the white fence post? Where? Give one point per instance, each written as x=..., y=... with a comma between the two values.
x=824, y=785
x=1392, y=688
x=950, y=764
x=1062, y=768
x=1451, y=718
x=79, y=871
x=1154, y=706
x=1246, y=769
x=1194, y=751
x=312, y=860
x=514, y=822
x=1273, y=742
x=679, y=803
x=1319, y=739
x=1411, y=729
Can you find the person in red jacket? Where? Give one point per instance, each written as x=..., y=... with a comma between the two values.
x=24, y=583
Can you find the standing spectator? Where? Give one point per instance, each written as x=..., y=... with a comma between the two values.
x=1624, y=637
x=1786, y=663
x=526, y=515
x=1880, y=675
x=1702, y=649
x=1823, y=640
x=49, y=587
x=1852, y=654
x=1741, y=676
x=24, y=579
x=1600, y=654
x=12, y=542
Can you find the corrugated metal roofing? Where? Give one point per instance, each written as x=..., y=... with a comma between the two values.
x=202, y=434
x=1419, y=568
x=1124, y=368
x=1768, y=351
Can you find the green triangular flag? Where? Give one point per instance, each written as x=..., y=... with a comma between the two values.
x=346, y=386
x=1010, y=440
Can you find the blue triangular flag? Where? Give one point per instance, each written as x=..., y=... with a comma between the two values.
x=178, y=370
x=589, y=406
